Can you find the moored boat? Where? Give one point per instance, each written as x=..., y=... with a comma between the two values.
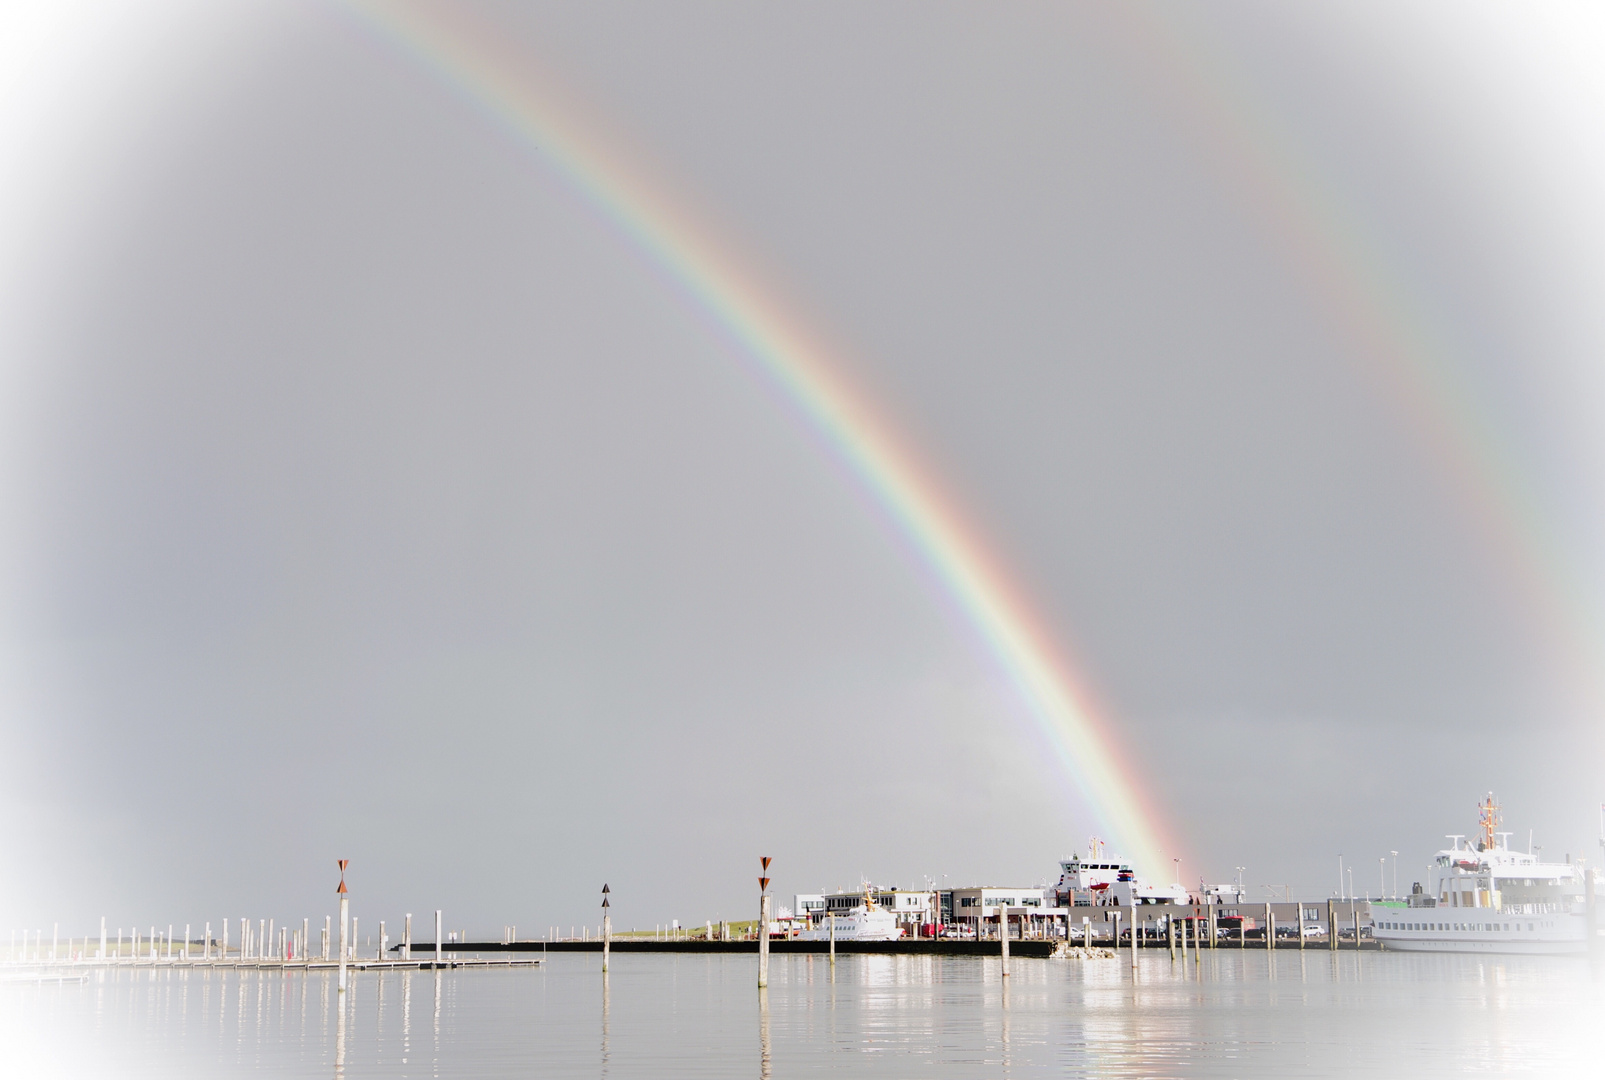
x=866, y=922
x=1483, y=897
x=1103, y=879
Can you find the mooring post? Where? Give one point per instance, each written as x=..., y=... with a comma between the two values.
x=306, y=940
x=406, y=937
x=1003, y=938
x=383, y=940
x=607, y=927
x=1270, y=927
x=345, y=911
x=1355, y=907
x=1170, y=936
x=437, y=938
x=1331, y=925
x=763, y=924
x=326, y=925
x=1134, y=925
x=101, y=955
x=1591, y=908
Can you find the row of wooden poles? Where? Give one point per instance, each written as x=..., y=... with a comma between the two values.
x=262, y=943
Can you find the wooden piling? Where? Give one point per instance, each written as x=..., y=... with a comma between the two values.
x=1170, y=937
x=607, y=926
x=1003, y=937
x=763, y=925
x=345, y=911
x=1331, y=925
x=763, y=941
x=1591, y=910
x=1270, y=928
x=437, y=936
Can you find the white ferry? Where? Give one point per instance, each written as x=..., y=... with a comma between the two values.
x=1483, y=897
x=1103, y=880
x=866, y=922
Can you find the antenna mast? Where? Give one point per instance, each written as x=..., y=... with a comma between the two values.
x=1489, y=820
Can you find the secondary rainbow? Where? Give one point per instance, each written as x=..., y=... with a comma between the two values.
x=480, y=67
x=1331, y=245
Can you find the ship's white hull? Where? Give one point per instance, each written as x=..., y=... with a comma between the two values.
x=1484, y=943
x=1544, y=935
x=875, y=926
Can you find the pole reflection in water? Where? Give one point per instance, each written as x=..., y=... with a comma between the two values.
x=763, y=1033
x=406, y=1015
x=605, y=1054
x=1004, y=1023
x=340, y=1038
x=437, y=1014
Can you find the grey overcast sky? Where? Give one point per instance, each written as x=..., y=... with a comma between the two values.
x=368, y=494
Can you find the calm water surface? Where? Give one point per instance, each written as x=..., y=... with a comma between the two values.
x=1315, y=1014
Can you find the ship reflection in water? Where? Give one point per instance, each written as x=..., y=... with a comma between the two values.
x=659, y=1015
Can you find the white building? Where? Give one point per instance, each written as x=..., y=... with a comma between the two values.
x=1033, y=909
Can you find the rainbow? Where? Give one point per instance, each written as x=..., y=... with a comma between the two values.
x=1329, y=245
x=480, y=67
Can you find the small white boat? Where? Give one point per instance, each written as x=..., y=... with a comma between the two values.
x=1485, y=898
